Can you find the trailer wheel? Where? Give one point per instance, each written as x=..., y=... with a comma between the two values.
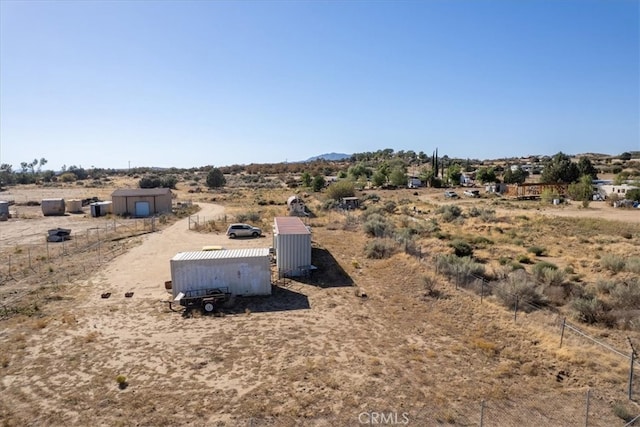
x=208, y=307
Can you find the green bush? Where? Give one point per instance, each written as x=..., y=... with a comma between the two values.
x=537, y=250
x=380, y=248
x=390, y=206
x=523, y=259
x=553, y=277
x=461, y=248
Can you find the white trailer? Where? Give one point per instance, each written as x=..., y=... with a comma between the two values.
x=235, y=272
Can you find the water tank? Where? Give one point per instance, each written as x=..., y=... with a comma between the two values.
x=53, y=207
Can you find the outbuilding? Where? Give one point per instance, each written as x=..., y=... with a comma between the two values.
x=239, y=272
x=292, y=246
x=141, y=202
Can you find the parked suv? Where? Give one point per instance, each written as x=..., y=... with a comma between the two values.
x=243, y=230
x=450, y=194
x=472, y=193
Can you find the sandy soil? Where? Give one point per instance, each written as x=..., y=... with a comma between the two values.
x=314, y=353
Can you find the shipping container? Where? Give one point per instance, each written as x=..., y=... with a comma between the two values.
x=242, y=272
x=53, y=207
x=292, y=246
x=100, y=208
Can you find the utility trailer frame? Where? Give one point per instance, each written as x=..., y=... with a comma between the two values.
x=206, y=300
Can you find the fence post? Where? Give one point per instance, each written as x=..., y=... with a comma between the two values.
x=515, y=310
x=564, y=322
x=481, y=412
x=482, y=291
x=586, y=416
x=633, y=356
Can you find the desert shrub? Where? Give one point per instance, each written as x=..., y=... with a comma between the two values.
x=451, y=265
x=590, y=309
x=449, y=212
x=380, y=248
x=486, y=214
x=121, y=380
x=523, y=259
x=623, y=413
x=461, y=248
x=553, y=277
x=626, y=295
x=612, y=262
x=605, y=286
x=537, y=250
x=68, y=177
x=389, y=206
x=519, y=286
x=248, y=217
x=632, y=265
x=377, y=225
x=538, y=269
x=329, y=205
x=431, y=226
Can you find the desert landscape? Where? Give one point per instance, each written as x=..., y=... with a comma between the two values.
x=362, y=341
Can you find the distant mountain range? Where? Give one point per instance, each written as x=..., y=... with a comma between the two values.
x=329, y=156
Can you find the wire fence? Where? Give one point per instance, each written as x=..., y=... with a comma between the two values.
x=479, y=286
x=208, y=223
x=579, y=408
x=75, y=253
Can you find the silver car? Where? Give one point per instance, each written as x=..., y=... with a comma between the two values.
x=243, y=230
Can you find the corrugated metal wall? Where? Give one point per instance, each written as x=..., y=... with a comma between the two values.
x=293, y=254
x=244, y=272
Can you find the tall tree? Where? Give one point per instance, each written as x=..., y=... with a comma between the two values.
x=215, y=178
x=560, y=168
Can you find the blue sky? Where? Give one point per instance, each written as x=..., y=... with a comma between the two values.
x=189, y=84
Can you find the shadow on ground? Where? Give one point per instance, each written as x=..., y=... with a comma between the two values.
x=328, y=273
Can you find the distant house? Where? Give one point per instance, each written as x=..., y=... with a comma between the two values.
x=141, y=202
x=619, y=190
x=414, y=182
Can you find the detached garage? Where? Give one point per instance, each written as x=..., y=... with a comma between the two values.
x=141, y=202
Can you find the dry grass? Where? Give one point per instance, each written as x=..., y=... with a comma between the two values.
x=435, y=358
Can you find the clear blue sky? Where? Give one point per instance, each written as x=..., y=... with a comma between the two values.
x=188, y=84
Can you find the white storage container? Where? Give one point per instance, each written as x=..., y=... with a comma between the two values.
x=244, y=272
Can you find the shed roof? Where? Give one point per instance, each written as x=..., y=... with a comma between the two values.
x=126, y=192
x=290, y=225
x=222, y=254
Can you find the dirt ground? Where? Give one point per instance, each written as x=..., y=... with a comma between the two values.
x=314, y=353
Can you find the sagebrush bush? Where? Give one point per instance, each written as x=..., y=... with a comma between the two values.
x=589, y=309
x=450, y=212
x=390, y=206
x=537, y=250
x=612, y=262
x=248, y=217
x=632, y=265
x=626, y=294
x=539, y=268
x=379, y=226
x=380, y=248
x=553, y=277
x=451, y=265
x=519, y=286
